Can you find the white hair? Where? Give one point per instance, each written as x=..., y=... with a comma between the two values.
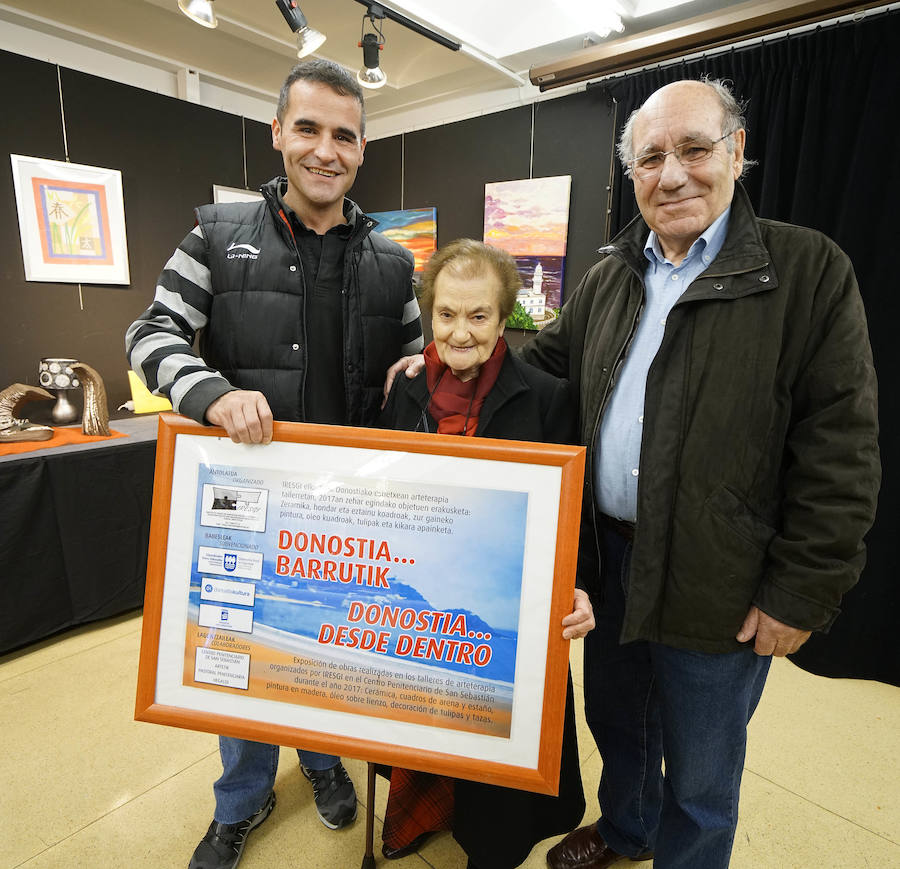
x=732, y=120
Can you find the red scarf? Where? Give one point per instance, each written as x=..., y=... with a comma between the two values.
x=455, y=405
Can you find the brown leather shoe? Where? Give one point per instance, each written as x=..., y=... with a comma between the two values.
x=585, y=848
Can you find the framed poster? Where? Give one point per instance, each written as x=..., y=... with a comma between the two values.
x=71, y=221
x=221, y=193
x=390, y=596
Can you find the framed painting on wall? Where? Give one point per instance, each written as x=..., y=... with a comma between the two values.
x=413, y=228
x=389, y=596
x=530, y=220
x=71, y=221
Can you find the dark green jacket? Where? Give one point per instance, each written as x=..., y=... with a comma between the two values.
x=759, y=461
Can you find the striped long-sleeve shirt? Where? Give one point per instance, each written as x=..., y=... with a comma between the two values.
x=159, y=343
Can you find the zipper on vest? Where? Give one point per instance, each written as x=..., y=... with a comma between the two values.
x=303, y=348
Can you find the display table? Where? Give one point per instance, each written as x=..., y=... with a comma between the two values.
x=74, y=530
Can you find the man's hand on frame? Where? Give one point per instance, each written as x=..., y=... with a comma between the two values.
x=580, y=621
x=244, y=415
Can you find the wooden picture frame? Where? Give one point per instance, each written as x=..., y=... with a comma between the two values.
x=223, y=193
x=390, y=596
x=71, y=221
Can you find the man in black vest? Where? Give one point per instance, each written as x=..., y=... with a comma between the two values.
x=281, y=293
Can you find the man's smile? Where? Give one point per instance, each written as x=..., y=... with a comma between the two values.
x=325, y=173
x=675, y=203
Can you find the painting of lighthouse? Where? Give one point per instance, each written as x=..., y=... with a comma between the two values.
x=530, y=219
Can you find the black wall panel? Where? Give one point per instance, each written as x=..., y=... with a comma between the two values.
x=33, y=127
x=170, y=154
x=263, y=161
x=378, y=185
x=448, y=167
x=573, y=135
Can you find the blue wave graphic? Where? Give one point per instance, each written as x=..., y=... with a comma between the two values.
x=301, y=607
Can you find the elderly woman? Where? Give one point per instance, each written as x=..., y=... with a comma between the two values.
x=473, y=386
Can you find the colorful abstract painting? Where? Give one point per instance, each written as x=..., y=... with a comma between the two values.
x=414, y=228
x=71, y=221
x=530, y=220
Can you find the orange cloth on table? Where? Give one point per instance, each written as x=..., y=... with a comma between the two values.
x=61, y=437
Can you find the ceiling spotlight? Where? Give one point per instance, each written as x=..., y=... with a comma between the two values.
x=371, y=75
x=200, y=11
x=308, y=38
x=606, y=22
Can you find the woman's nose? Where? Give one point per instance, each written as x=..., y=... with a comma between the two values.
x=461, y=329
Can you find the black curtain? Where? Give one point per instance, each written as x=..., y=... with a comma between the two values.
x=822, y=121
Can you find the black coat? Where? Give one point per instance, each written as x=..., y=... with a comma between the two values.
x=759, y=459
x=525, y=404
x=496, y=826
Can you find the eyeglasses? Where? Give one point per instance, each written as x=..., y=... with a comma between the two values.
x=688, y=153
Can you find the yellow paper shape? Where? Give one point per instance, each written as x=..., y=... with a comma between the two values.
x=144, y=400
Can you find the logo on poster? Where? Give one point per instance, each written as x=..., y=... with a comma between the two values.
x=230, y=561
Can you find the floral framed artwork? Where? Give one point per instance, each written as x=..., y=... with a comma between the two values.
x=71, y=221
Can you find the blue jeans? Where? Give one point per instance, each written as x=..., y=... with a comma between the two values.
x=248, y=775
x=645, y=703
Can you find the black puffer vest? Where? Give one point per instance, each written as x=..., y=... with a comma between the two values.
x=256, y=335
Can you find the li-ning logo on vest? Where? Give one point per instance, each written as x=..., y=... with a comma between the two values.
x=252, y=252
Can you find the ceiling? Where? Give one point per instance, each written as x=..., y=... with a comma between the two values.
x=253, y=47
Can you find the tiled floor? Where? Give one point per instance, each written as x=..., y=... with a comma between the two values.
x=83, y=785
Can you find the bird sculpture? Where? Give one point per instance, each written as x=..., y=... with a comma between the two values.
x=13, y=429
x=95, y=419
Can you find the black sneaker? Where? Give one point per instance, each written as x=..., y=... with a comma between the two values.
x=334, y=794
x=223, y=844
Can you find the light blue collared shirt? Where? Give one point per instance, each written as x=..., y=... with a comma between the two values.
x=617, y=462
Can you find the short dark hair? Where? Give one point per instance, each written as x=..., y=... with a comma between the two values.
x=468, y=258
x=331, y=75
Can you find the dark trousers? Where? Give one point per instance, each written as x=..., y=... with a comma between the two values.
x=645, y=703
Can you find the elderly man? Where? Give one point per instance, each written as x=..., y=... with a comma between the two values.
x=728, y=401
x=300, y=308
